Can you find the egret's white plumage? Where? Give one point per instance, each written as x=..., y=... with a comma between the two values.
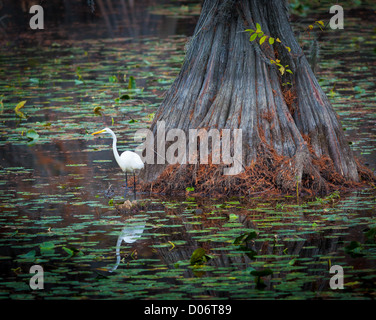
x=128, y=161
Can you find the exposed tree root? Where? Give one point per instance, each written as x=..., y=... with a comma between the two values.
x=299, y=174
x=271, y=174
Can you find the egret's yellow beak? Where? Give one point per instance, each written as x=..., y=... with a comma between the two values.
x=101, y=131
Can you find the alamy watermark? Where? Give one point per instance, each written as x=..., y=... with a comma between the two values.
x=337, y=21
x=37, y=280
x=192, y=147
x=37, y=21
x=336, y=281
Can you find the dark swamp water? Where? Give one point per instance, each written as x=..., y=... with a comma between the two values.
x=60, y=186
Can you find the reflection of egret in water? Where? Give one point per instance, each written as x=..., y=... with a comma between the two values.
x=130, y=234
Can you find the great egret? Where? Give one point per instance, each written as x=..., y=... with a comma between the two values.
x=128, y=161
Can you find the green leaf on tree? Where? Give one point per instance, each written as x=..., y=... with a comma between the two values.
x=253, y=37
x=262, y=40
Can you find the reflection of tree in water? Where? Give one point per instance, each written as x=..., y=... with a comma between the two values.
x=80, y=19
x=304, y=253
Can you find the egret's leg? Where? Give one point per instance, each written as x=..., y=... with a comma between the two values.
x=126, y=180
x=134, y=183
x=126, y=184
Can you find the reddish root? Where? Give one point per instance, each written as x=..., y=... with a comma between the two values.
x=271, y=173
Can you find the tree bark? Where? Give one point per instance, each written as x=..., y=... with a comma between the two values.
x=228, y=82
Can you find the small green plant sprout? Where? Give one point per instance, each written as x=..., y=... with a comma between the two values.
x=332, y=92
x=333, y=196
x=258, y=33
x=189, y=189
x=263, y=37
x=282, y=69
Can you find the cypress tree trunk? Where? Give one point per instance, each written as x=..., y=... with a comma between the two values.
x=291, y=135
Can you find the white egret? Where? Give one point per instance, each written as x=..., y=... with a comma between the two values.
x=128, y=161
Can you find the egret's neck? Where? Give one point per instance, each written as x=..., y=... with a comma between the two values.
x=116, y=153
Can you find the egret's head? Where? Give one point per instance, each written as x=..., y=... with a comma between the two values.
x=105, y=130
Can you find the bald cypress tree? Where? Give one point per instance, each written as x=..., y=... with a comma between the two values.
x=292, y=137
